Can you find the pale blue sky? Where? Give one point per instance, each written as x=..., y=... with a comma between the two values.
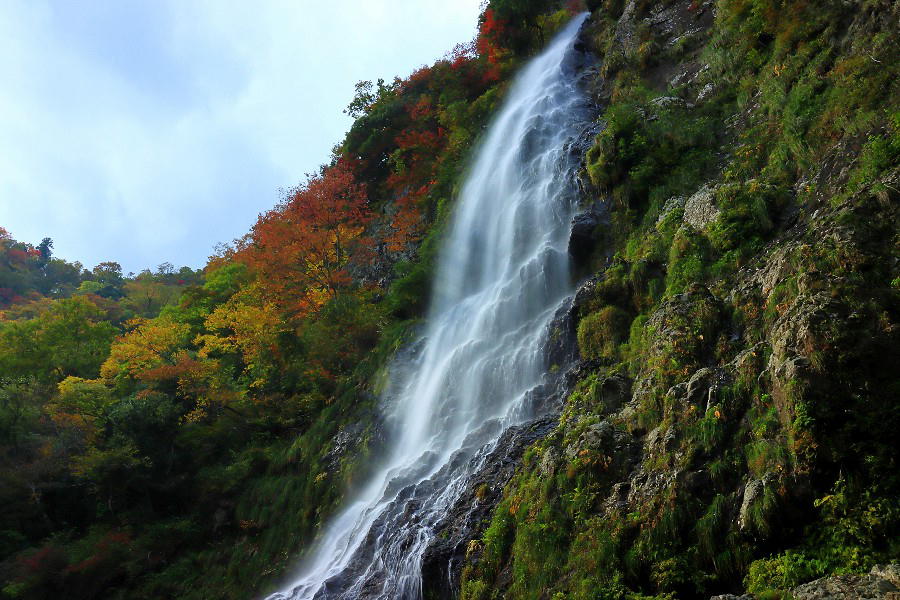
x=148, y=131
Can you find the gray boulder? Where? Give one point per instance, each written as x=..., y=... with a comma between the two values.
x=700, y=210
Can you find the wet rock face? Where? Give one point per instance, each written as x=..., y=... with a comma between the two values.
x=736, y=363
x=443, y=559
x=583, y=238
x=562, y=348
x=889, y=572
x=625, y=29
x=614, y=392
x=368, y=434
x=588, y=235
x=683, y=23
x=597, y=437
x=702, y=389
x=451, y=546
x=348, y=437
x=378, y=266
x=615, y=448
x=672, y=204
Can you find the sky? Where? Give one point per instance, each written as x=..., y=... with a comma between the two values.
x=149, y=131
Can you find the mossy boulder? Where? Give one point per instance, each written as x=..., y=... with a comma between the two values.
x=601, y=332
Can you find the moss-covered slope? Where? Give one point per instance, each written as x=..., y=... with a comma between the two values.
x=733, y=425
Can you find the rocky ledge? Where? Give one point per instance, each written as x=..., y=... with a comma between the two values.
x=882, y=582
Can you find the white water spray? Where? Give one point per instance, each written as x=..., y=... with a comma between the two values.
x=502, y=273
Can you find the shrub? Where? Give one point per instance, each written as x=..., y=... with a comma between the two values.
x=747, y=215
x=782, y=572
x=652, y=151
x=600, y=333
x=687, y=260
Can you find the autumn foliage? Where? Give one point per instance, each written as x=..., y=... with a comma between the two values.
x=301, y=248
x=490, y=32
x=418, y=152
x=153, y=424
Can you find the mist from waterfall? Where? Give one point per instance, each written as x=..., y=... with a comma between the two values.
x=502, y=273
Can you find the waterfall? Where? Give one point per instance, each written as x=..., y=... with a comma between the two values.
x=502, y=274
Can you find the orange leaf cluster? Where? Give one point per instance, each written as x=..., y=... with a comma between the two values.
x=301, y=248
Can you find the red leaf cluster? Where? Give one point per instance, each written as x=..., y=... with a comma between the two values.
x=461, y=55
x=418, y=152
x=490, y=33
x=575, y=7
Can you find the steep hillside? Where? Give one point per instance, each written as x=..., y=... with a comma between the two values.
x=192, y=445
x=730, y=425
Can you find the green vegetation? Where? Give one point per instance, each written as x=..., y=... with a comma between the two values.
x=750, y=163
x=186, y=434
x=601, y=332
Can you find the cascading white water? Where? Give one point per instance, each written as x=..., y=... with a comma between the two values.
x=502, y=273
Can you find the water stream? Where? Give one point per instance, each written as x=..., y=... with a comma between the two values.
x=503, y=272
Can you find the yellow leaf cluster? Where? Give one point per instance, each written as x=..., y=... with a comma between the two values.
x=246, y=324
x=149, y=344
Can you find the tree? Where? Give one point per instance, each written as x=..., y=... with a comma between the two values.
x=20, y=402
x=188, y=276
x=490, y=36
x=415, y=160
x=301, y=249
x=45, y=248
x=165, y=269
x=514, y=24
x=70, y=338
x=60, y=278
x=146, y=295
x=89, y=399
x=247, y=326
x=109, y=276
x=148, y=345
x=366, y=95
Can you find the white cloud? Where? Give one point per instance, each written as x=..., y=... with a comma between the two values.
x=148, y=131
